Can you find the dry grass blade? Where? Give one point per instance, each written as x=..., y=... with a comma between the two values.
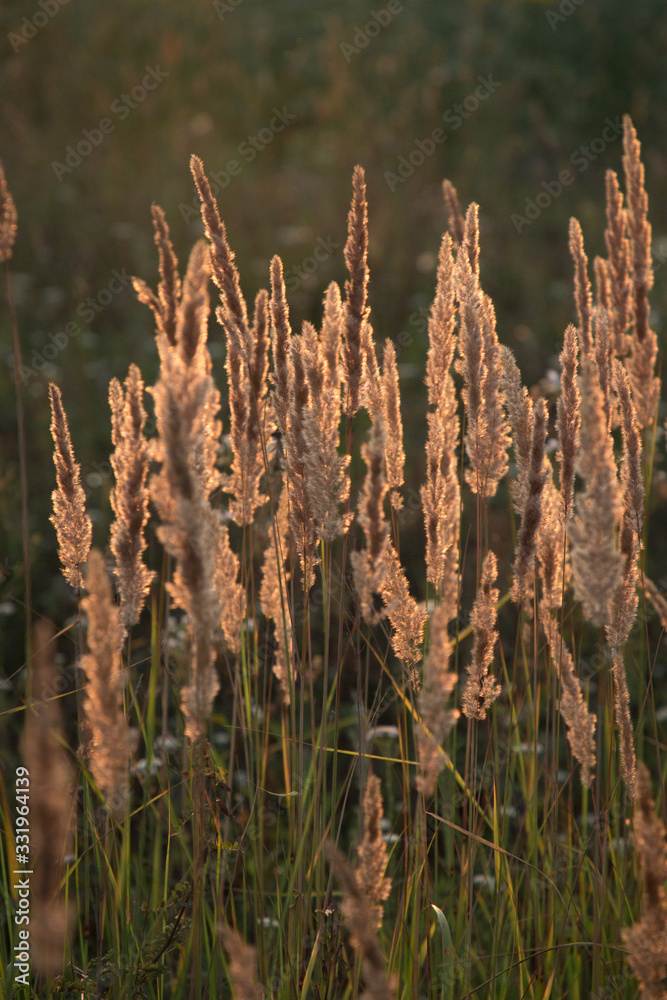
x=520, y=412
x=579, y=721
x=231, y=590
x=406, y=616
x=190, y=533
x=456, y=220
x=496, y=439
x=471, y=347
x=481, y=690
x=596, y=562
x=487, y=437
x=194, y=307
x=441, y=500
x=326, y=479
x=632, y=479
x=551, y=551
x=623, y=603
x=247, y=381
x=371, y=380
x=442, y=326
x=643, y=341
x=169, y=289
x=391, y=412
x=602, y=284
x=604, y=354
x=626, y=737
x=129, y=497
x=281, y=334
x=531, y=514
x=165, y=304
x=441, y=494
x=372, y=853
x=582, y=288
x=619, y=265
x=8, y=219
x=470, y=241
x=436, y=718
x=296, y=451
x=273, y=595
x=356, y=309
x=332, y=333
x=110, y=740
x=247, y=354
x=225, y=273
x=638, y=226
x=73, y=526
x=568, y=422
x=369, y=566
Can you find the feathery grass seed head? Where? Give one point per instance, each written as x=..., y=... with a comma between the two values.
x=372, y=853
x=646, y=940
x=111, y=741
x=356, y=309
x=8, y=219
x=582, y=288
x=129, y=497
x=481, y=689
x=73, y=526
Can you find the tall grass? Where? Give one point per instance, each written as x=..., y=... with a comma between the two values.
x=300, y=771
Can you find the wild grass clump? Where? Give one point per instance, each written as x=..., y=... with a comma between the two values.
x=271, y=691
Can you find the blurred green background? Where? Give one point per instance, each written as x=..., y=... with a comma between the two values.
x=359, y=91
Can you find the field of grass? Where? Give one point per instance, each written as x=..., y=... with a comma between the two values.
x=339, y=670
x=559, y=82
x=274, y=753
